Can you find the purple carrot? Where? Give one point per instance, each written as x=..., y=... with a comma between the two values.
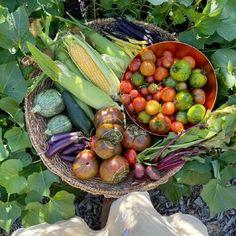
x=58, y=137
x=73, y=148
x=60, y=145
x=69, y=158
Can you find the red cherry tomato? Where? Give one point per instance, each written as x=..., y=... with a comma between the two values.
x=134, y=93
x=168, y=94
x=157, y=96
x=177, y=127
x=125, y=86
x=168, y=108
x=144, y=91
x=135, y=64
x=160, y=73
x=139, y=104
x=127, y=75
x=167, y=53
x=130, y=107
x=125, y=99
x=150, y=79
x=130, y=156
x=167, y=61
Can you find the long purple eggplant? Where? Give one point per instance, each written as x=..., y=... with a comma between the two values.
x=60, y=145
x=69, y=158
x=57, y=137
x=74, y=148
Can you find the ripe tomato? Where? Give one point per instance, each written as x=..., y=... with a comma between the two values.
x=125, y=86
x=190, y=60
x=167, y=62
x=177, y=127
x=152, y=88
x=135, y=64
x=147, y=68
x=160, y=73
x=130, y=156
x=168, y=108
x=168, y=94
x=134, y=93
x=139, y=103
x=148, y=55
x=152, y=107
x=167, y=53
x=157, y=96
x=150, y=79
x=125, y=99
x=199, y=96
x=130, y=107
x=127, y=75
x=144, y=91
x=158, y=62
x=160, y=124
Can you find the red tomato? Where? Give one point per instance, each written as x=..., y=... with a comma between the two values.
x=134, y=93
x=130, y=156
x=177, y=127
x=150, y=79
x=167, y=53
x=190, y=60
x=168, y=94
x=167, y=61
x=160, y=73
x=135, y=64
x=144, y=91
x=168, y=108
x=157, y=96
x=147, y=68
x=160, y=124
x=130, y=107
x=125, y=86
x=139, y=104
x=127, y=75
x=125, y=99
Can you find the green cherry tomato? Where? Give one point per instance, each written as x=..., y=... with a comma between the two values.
x=137, y=79
x=183, y=101
x=181, y=116
x=169, y=82
x=196, y=113
x=144, y=117
x=180, y=71
x=197, y=79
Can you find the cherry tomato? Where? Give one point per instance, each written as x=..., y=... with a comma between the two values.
x=134, y=93
x=144, y=117
x=125, y=86
x=158, y=62
x=160, y=73
x=190, y=60
x=152, y=88
x=157, y=96
x=167, y=62
x=152, y=107
x=144, y=91
x=150, y=79
x=160, y=124
x=147, y=68
x=135, y=64
x=168, y=94
x=168, y=108
x=130, y=107
x=149, y=97
x=130, y=156
x=199, y=96
x=139, y=104
x=148, y=55
x=127, y=75
x=137, y=79
x=125, y=99
x=167, y=53
x=177, y=127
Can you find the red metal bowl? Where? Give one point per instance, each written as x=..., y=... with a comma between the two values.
x=180, y=50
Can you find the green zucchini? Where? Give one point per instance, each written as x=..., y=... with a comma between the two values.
x=78, y=117
x=58, y=124
x=48, y=103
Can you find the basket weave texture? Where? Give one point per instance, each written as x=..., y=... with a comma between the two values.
x=36, y=125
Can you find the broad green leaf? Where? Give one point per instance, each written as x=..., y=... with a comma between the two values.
x=178, y=16
x=9, y=212
x=14, y=32
x=12, y=82
x=218, y=141
x=228, y=156
x=208, y=25
x=228, y=173
x=10, y=178
x=24, y=157
x=229, y=10
x=229, y=125
x=10, y=4
x=34, y=214
x=17, y=139
x=6, y=57
x=11, y=106
x=173, y=190
x=3, y=13
x=106, y=4
x=193, y=38
x=214, y=8
x=193, y=15
x=226, y=29
x=33, y=196
x=60, y=207
x=157, y=2
x=186, y=3
x=3, y=151
x=194, y=173
x=218, y=197
x=41, y=182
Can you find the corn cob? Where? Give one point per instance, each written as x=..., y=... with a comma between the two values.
x=91, y=65
x=75, y=84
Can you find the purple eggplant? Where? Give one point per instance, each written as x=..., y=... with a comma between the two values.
x=58, y=137
x=74, y=148
x=69, y=158
x=60, y=145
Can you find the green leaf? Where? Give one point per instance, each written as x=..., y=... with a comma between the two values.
x=41, y=182
x=178, y=16
x=6, y=57
x=12, y=82
x=157, y=2
x=17, y=139
x=60, y=207
x=186, y=3
x=173, y=190
x=34, y=214
x=107, y=5
x=9, y=212
x=193, y=38
x=24, y=157
x=194, y=173
x=218, y=197
x=229, y=125
x=11, y=106
x=33, y=196
x=3, y=13
x=14, y=32
x=228, y=173
x=228, y=156
x=3, y=151
x=10, y=178
x=226, y=29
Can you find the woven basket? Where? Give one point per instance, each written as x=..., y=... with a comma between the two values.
x=36, y=125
